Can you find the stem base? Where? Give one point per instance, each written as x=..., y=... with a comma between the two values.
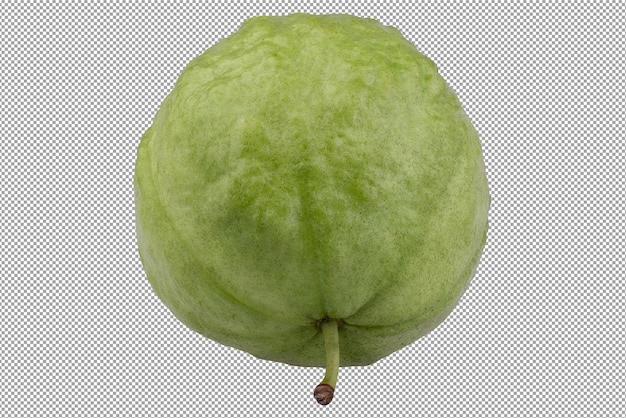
x=323, y=393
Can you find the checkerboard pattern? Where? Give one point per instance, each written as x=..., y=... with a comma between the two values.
x=539, y=333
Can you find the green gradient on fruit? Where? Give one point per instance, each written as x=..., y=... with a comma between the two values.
x=311, y=168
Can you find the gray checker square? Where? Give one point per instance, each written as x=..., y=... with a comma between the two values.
x=539, y=333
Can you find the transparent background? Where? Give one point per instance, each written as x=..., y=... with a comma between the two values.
x=538, y=333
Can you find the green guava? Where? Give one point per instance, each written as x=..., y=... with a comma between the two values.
x=311, y=192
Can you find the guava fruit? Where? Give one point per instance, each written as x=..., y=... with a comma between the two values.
x=312, y=192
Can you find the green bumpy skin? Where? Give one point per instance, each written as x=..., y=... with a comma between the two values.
x=311, y=167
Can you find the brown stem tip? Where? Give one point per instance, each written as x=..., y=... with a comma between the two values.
x=324, y=393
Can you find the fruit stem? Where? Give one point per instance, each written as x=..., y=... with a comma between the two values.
x=324, y=391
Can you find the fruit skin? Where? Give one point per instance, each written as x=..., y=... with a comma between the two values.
x=311, y=167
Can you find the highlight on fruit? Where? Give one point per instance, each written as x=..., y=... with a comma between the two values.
x=311, y=192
